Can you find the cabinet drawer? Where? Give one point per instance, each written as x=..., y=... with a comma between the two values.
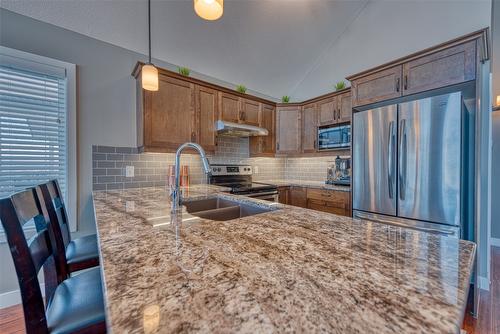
x=323, y=206
x=327, y=195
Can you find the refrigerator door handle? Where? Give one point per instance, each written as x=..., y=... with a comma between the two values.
x=403, y=157
x=398, y=224
x=390, y=159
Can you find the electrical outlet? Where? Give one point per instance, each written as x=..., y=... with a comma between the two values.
x=256, y=169
x=129, y=206
x=129, y=171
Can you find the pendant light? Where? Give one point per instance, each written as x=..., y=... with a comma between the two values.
x=209, y=9
x=149, y=71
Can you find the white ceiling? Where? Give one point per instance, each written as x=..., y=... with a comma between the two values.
x=266, y=45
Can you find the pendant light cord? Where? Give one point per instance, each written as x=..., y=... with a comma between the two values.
x=149, y=29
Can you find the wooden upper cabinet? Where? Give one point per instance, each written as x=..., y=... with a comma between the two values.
x=309, y=128
x=207, y=111
x=250, y=112
x=265, y=146
x=379, y=86
x=344, y=107
x=288, y=129
x=229, y=107
x=268, y=122
x=169, y=114
x=443, y=68
x=326, y=111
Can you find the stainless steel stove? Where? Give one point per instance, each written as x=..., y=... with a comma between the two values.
x=239, y=179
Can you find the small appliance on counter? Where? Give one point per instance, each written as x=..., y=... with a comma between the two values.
x=339, y=172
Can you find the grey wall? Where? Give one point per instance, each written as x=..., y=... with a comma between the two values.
x=387, y=30
x=495, y=124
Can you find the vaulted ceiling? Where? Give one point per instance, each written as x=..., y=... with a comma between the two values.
x=275, y=47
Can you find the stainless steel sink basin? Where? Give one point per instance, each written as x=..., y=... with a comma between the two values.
x=221, y=209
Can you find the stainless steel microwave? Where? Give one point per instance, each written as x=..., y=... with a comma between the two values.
x=334, y=137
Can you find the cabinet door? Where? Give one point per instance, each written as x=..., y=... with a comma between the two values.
x=344, y=107
x=379, y=86
x=447, y=67
x=268, y=122
x=298, y=196
x=250, y=112
x=169, y=117
x=288, y=130
x=284, y=195
x=309, y=128
x=326, y=111
x=229, y=107
x=206, y=109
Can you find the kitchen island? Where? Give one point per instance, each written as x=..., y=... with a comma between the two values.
x=290, y=269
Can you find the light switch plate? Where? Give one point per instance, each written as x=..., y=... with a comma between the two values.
x=129, y=171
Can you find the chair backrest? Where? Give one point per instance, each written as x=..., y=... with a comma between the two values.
x=53, y=209
x=57, y=211
x=29, y=255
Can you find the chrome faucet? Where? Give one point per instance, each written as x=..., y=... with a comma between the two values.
x=176, y=192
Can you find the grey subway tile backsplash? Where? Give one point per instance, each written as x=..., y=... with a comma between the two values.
x=150, y=169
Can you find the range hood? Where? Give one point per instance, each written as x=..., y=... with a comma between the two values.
x=239, y=130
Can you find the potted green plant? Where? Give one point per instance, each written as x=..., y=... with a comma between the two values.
x=241, y=89
x=184, y=71
x=340, y=85
x=285, y=99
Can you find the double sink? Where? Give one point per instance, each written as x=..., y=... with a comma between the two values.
x=217, y=208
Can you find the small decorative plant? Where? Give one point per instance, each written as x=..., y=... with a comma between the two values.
x=285, y=99
x=184, y=71
x=242, y=89
x=340, y=85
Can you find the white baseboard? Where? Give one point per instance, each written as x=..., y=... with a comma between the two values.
x=12, y=298
x=483, y=283
x=495, y=242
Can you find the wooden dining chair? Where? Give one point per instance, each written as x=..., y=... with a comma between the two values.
x=80, y=253
x=76, y=305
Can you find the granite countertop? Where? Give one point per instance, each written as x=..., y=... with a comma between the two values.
x=287, y=270
x=306, y=183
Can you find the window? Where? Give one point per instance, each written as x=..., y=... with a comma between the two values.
x=36, y=124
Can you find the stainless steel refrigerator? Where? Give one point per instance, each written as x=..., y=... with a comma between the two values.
x=408, y=167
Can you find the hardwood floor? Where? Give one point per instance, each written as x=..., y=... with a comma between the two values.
x=488, y=322
x=12, y=320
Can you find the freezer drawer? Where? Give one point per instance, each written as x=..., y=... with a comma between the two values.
x=374, y=160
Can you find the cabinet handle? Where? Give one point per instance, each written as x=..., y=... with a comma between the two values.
x=278, y=146
x=193, y=136
x=314, y=143
x=338, y=116
x=406, y=82
x=397, y=85
x=334, y=114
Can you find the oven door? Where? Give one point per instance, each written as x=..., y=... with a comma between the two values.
x=271, y=196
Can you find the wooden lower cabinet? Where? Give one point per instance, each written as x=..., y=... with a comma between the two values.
x=331, y=201
x=284, y=195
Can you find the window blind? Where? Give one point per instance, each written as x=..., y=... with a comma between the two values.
x=33, y=131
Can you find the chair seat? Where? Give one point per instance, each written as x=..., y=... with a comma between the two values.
x=77, y=304
x=83, y=252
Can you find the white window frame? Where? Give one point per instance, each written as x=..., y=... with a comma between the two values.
x=43, y=63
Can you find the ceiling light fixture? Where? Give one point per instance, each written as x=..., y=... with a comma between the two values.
x=149, y=74
x=209, y=9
